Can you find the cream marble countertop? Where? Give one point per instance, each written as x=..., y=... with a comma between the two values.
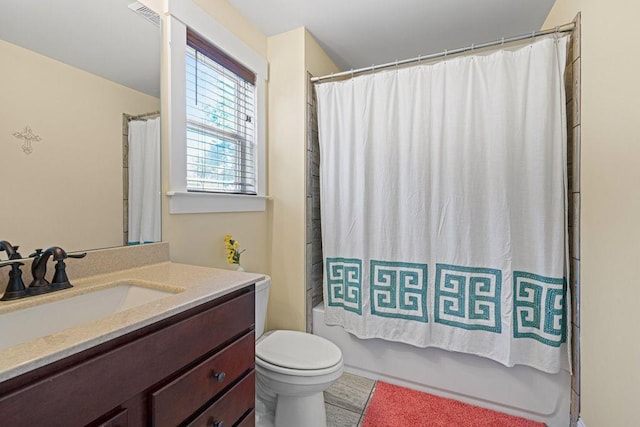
x=193, y=285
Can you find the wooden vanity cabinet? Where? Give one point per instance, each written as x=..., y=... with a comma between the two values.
x=194, y=368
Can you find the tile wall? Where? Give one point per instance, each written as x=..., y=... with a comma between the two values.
x=572, y=86
x=125, y=178
x=313, y=234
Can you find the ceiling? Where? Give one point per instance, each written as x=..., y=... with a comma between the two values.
x=359, y=33
x=103, y=37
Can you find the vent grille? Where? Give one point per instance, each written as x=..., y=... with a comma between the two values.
x=145, y=12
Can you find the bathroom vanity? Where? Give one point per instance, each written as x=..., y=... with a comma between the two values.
x=184, y=359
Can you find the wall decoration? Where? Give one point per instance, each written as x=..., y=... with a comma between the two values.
x=27, y=136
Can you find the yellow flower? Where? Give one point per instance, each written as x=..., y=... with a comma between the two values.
x=228, y=238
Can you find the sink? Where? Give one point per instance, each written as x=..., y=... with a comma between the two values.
x=37, y=321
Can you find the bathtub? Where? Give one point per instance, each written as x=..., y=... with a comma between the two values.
x=520, y=391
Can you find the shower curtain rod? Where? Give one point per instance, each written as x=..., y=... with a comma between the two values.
x=140, y=116
x=566, y=28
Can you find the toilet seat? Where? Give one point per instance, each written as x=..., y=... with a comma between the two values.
x=297, y=353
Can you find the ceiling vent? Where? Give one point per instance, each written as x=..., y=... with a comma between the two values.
x=145, y=12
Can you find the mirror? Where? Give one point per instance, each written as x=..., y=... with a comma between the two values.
x=69, y=71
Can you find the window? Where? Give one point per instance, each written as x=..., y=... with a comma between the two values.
x=220, y=121
x=241, y=169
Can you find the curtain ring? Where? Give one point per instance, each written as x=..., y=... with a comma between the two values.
x=502, y=42
x=419, y=58
x=445, y=53
x=472, y=46
x=352, y=73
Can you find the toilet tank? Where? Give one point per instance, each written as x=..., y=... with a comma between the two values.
x=262, y=298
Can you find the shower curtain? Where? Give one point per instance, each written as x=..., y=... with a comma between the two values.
x=144, y=181
x=443, y=205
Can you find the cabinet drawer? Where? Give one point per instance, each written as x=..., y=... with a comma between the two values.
x=249, y=420
x=186, y=394
x=230, y=408
x=120, y=418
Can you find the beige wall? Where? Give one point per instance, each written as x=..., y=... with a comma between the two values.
x=224, y=13
x=198, y=238
x=68, y=191
x=286, y=179
x=290, y=56
x=610, y=213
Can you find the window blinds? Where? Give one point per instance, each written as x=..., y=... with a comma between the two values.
x=221, y=155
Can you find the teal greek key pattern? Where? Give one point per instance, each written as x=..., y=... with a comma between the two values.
x=467, y=297
x=344, y=283
x=398, y=290
x=539, y=308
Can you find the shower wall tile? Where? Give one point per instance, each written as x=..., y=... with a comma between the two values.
x=573, y=76
x=125, y=179
x=309, y=223
x=575, y=408
x=309, y=256
x=576, y=83
x=575, y=359
x=309, y=311
x=568, y=80
x=570, y=114
x=576, y=39
x=575, y=290
x=575, y=225
x=313, y=263
x=575, y=157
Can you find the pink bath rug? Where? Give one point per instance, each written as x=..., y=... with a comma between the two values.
x=393, y=406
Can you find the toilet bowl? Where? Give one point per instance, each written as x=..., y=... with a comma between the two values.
x=292, y=371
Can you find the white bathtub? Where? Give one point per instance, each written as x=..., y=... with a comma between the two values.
x=521, y=391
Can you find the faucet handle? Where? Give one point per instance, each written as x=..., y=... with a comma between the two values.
x=60, y=278
x=15, y=287
x=37, y=253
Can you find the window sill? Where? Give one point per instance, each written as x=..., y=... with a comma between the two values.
x=185, y=202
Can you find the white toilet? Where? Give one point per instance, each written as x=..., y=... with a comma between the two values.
x=292, y=370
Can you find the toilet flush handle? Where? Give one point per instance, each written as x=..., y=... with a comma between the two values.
x=219, y=377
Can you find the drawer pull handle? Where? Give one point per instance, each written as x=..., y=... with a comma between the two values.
x=219, y=376
x=213, y=423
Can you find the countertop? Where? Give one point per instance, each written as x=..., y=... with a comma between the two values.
x=193, y=285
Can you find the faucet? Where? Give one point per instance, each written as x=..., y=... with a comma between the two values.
x=60, y=280
x=15, y=287
x=12, y=251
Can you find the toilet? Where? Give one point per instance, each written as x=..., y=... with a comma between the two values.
x=292, y=371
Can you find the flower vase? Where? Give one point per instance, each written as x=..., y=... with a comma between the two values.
x=240, y=268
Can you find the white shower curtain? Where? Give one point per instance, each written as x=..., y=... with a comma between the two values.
x=443, y=191
x=144, y=181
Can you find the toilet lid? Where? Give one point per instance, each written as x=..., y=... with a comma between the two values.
x=298, y=350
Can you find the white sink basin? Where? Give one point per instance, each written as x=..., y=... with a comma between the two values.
x=28, y=323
